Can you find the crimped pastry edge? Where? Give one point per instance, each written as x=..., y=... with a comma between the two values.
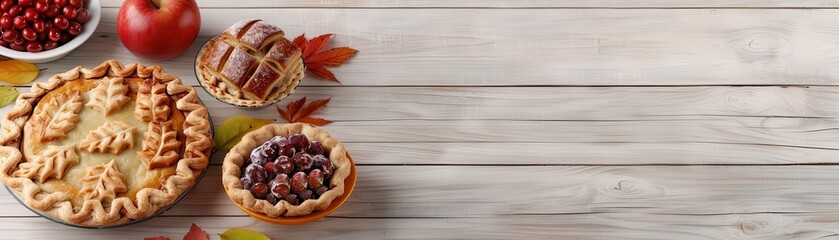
x=148, y=201
x=231, y=170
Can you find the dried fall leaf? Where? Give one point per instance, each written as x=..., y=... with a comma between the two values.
x=242, y=234
x=8, y=94
x=17, y=72
x=234, y=128
x=195, y=233
x=157, y=238
x=316, y=60
x=299, y=111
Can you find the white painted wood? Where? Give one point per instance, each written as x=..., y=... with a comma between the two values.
x=657, y=202
x=504, y=4
x=586, y=226
x=540, y=46
x=550, y=103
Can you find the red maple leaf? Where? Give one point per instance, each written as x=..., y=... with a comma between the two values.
x=195, y=233
x=316, y=60
x=299, y=111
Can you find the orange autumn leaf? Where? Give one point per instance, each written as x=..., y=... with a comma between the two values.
x=317, y=60
x=299, y=111
x=17, y=72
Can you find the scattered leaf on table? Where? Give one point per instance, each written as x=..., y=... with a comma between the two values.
x=8, y=94
x=299, y=111
x=242, y=234
x=234, y=128
x=195, y=233
x=317, y=60
x=17, y=72
x=158, y=238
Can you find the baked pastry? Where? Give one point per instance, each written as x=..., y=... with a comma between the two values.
x=276, y=170
x=250, y=64
x=92, y=147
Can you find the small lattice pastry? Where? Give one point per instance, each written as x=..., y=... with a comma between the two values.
x=105, y=146
x=250, y=64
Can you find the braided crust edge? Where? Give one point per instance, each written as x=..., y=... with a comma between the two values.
x=233, y=161
x=148, y=201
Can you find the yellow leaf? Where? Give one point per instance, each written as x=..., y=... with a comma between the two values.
x=17, y=72
x=8, y=94
x=234, y=128
x=242, y=234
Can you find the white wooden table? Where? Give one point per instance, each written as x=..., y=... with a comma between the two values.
x=501, y=119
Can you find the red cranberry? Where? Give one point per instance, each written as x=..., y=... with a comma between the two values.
x=10, y=35
x=52, y=11
x=74, y=29
x=37, y=25
x=6, y=4
x=19, y=22
x=29, y=34
x=34, y=47
x=6, y=22
x=15, y=10
x=31, y=14
x=75, y=3
x=61, y=22
x=54, y=34
x=81, y=15
x=60, y=3
x=18, y=47
x=69, y=12
x=42, y=6
x=49, y=45
x=25, y=3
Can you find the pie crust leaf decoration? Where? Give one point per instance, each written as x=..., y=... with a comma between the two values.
x=152, y=103
x=60, y=115
x=103, y=182
x=161, y=145
x=53, y=162
x=113, y=137
x=109, y=95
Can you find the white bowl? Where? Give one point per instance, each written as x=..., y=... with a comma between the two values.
x=94, y=11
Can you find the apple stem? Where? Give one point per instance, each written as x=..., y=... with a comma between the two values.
x=157, y=3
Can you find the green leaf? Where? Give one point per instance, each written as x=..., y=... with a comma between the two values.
x=242, y=234
x=234, y=128
x=8, y=94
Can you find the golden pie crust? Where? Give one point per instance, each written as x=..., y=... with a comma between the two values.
x=233, y=161
x=92, y=147
x=250, y=64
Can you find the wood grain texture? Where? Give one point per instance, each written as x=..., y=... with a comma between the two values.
x=587, y=226
x=561, y=47
x=508, y=4
x=653, y=202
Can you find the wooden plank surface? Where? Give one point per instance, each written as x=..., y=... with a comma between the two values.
x=498, y=119
x=553, y=47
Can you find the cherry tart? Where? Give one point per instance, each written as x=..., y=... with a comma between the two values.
x=105, y=146
x=250, y=64
x=286, y=170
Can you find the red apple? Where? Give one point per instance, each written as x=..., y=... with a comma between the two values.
x=158, y=29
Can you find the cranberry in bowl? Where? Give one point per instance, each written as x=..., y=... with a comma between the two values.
x=40, y=31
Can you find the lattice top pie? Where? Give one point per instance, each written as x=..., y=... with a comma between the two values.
x=250, y=64
x=104, y=146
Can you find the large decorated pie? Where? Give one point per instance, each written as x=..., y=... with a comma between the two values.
x=105, y=146
x=250, y=64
